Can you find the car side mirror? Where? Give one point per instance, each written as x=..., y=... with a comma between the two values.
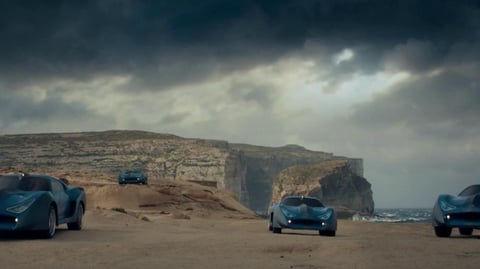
x=64, y=180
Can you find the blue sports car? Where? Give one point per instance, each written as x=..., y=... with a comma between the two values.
x=462, y=212
x=39, y=203
x=301, y=212
x=133, y=177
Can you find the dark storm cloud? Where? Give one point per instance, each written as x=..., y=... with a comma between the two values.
x=19, y=113
x=262, y=95
x=414, y=55
x=15, y=108
x=420, y=132
x=444, y=105
x=169, y=42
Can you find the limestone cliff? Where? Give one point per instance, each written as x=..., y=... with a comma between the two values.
x=246, y=170
x=333, y=182
x=262, y=164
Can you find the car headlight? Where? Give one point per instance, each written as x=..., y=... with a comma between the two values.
x=446, y=206
x=20, y=208
x=326, y=215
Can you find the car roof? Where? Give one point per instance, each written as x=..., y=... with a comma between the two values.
x=31, y=175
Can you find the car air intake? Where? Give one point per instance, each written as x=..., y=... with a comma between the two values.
x=476, y=200
x=7, y=219
x=306, y=222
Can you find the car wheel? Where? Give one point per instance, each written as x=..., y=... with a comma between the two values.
x=327, y=233
x=276, y=230
x=441, y=231
x=77, y=224
x=465, y=231
x=52, y=223
x=270, y=224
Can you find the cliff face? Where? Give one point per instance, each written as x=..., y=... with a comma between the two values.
x=260, y=165
x=248, y=171
x=333, y=182
x=162, y=156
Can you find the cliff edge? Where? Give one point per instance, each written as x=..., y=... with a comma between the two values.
x=248, y=171
x=333, y=182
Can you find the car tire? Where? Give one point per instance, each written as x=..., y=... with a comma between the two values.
x=77, y=224
x=270, y=223
x=465, y=231
x=327, y=233
x=276, y=230
x=52, y=223
x=442, y=231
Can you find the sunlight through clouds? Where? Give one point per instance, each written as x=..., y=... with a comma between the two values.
x=327, y=76
x=344, y=56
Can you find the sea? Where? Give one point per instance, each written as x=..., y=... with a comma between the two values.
x=397, y=215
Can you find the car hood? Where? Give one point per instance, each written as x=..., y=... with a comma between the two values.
x=11, y=198
x=461, y=201
x=131, y=175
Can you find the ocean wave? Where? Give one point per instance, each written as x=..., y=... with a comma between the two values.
x=397, y=215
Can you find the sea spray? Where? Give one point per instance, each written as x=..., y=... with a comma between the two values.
x=397, y=215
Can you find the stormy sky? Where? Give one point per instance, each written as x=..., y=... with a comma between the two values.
x=393, y=82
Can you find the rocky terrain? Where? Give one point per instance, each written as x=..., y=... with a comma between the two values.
x=332, y=182
x=166, y=199
x=247, y=171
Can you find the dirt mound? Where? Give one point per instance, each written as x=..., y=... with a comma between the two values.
x=177, y=199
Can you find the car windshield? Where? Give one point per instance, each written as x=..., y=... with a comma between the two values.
x=297, y=201
x=13, y=183
x=8, y=183
x=469, y=191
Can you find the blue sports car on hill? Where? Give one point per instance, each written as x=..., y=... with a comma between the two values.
x=462, y=212
x=132, y=177
x=39, y=203
x=301, y=212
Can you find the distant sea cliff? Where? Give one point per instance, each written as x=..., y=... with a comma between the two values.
x=248, y=171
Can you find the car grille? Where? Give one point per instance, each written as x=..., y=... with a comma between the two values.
x=306, y=222
x=471, y=216
x=7, y=219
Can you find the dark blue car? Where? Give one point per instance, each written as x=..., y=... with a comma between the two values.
x=301, y=212
x=461, y=211
x=39, y=203
x=132, y=177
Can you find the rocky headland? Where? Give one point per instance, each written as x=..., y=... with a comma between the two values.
x=333, y=182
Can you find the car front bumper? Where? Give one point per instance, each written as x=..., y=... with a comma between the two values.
x=459, y=219
x=132, y=181
x=29, y=220
x=329, y=224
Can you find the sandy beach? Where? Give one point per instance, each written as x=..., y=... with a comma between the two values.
x=178, y=224
x=112, y=239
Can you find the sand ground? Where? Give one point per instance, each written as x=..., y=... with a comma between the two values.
x=111, y=239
